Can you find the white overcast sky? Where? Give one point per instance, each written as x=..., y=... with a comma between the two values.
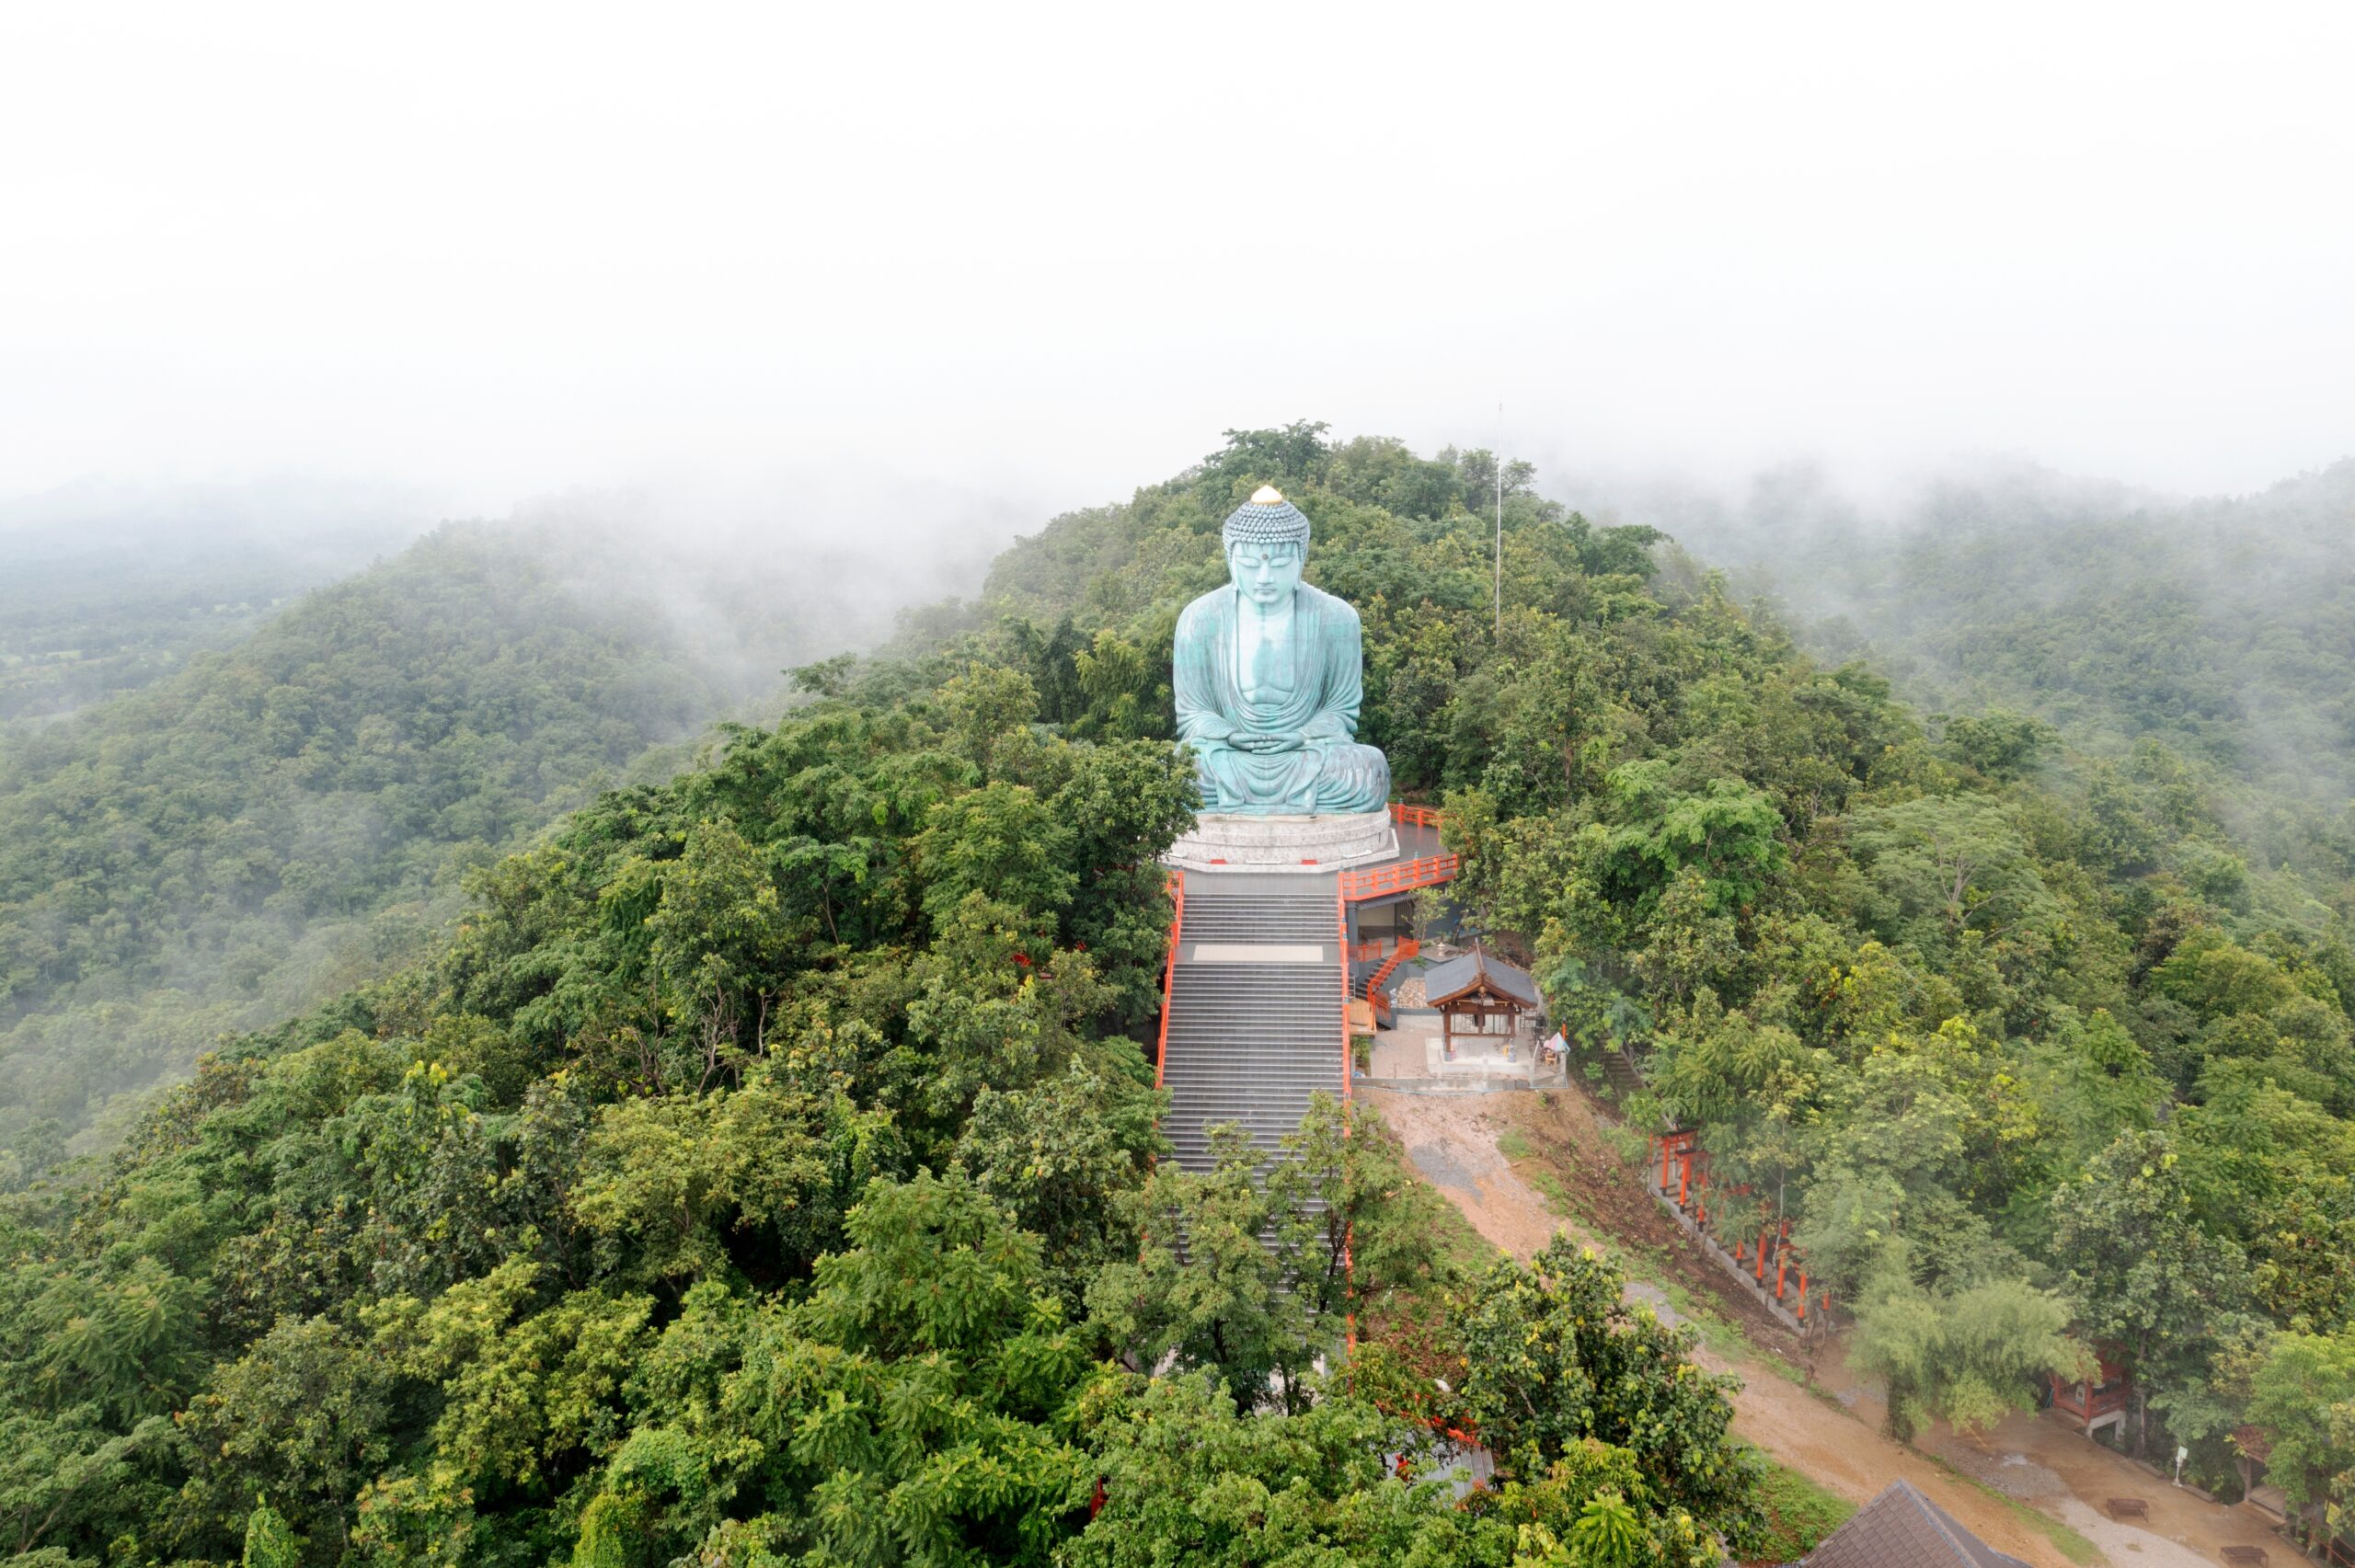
x=505, y=249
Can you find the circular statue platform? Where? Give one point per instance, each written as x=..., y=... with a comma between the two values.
x=1285, y=843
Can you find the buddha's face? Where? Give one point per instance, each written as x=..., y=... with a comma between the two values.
x=1265, y=573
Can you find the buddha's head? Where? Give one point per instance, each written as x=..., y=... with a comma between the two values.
x=1267, y=545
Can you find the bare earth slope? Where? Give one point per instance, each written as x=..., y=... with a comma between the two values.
x=1831, y=1434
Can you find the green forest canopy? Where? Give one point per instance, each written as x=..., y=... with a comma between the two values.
x=762, y=1168
x=2212, y=637
x=289, y=816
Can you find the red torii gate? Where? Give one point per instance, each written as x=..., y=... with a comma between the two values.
x=1685, y=1163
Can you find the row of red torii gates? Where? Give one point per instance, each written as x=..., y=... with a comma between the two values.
x=1685, y=1181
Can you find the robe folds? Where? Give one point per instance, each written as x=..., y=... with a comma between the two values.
x=1330, y=772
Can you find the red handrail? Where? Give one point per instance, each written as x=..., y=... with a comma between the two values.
x=1399, y=876
x=1348, y=1234
x=1176, y=886
x=1407, y=816
x=1341, y=924
x=1406, y=950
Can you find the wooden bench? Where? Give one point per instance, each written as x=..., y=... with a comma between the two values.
x=2128, y=1508
x=2245, y=1556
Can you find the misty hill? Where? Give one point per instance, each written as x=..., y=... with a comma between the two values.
x=284, y=817
x=2215, y=636
x=105, y=588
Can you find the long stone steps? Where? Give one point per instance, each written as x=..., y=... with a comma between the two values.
x=1251, y=1035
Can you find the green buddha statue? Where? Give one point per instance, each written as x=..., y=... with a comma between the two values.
x=1268, y=673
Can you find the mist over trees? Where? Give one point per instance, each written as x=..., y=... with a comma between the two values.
x=105, y=588
x=273, y=817
x=2205, y=640
x=761, y=1168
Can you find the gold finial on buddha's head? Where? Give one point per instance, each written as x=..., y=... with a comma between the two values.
x=1267, y=495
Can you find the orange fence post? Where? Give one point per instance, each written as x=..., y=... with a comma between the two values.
x=1341, y=922
x=1782, y=1263
x=1760, y=1272
x=1802, y=1292
x=1349, y=1235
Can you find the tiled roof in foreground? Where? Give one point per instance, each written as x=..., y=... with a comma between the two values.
x=1902, y=1528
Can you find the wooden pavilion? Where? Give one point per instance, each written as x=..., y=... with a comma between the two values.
x=1493, y=995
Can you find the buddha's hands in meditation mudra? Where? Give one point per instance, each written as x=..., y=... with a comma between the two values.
x=1268, y=679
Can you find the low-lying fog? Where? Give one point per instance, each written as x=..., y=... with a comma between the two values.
x=1038, y=257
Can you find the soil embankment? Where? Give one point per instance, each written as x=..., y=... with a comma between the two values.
x=1562, y=1172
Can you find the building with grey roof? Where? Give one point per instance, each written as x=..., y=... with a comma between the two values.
x=1903, y=1529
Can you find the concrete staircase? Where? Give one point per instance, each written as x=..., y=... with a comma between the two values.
x=1255, y=1017
x=1623, y=1073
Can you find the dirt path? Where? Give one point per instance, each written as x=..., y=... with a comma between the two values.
x=1830, y=1436
x=2039, y=1460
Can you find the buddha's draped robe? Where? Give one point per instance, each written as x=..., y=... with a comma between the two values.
x=1313, y=693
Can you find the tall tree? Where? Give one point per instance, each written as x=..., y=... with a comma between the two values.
x=2148, y=1282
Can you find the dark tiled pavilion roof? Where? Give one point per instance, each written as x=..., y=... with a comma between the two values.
x=1902, y=1528
x=1451, y=978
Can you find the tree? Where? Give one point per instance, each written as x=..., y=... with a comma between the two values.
x=612, y=1532
x=68, y=1478
x=269, y=1541
x=2101, y=1082
x=2145, y=1278
x=1999, y=743
x=1059, y=1156
x=527, y=1390
x=2303, y=1399
x=1553, y=1356
x=986, y=705
x=1219, y=1304
x=1188, y=1478
x=1942, y=866
x=903, y=1412
x=756, y=1178
x=1969, y=1357
x=1690, y=947
x=1001, y=841
x=302, y=1417
x=1127, y=690
x=125, y=1343
x=1728, y=832
x=1290, y=454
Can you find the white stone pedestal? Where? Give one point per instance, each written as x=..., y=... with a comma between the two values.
x=1285, y=843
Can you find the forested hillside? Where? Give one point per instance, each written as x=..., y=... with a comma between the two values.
x=762, y=1171
x=105, y=590
x=2214, y=638
x=289, y=815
